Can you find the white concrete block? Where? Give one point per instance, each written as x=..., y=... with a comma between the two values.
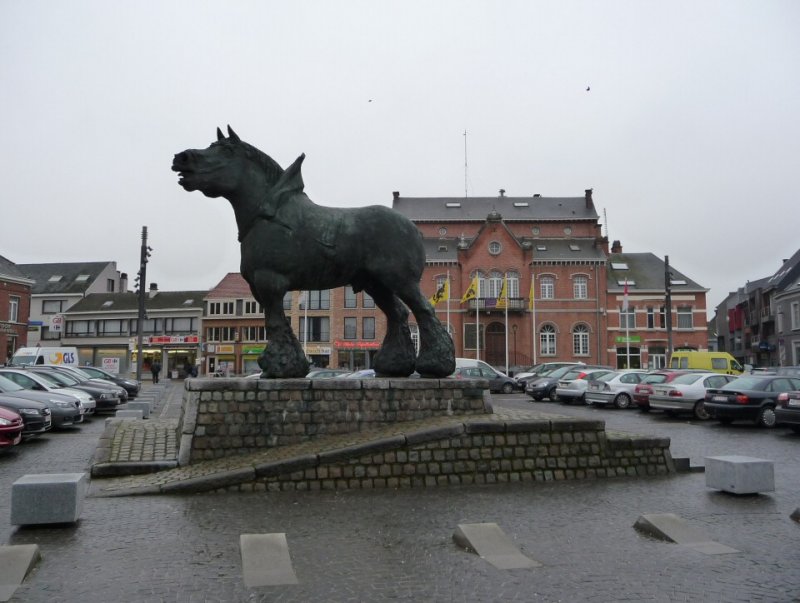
x=129, y=414
x=740, y=474
x=48, y=498
x=139, y=405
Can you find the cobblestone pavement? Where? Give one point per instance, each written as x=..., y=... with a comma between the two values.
x=397, y=545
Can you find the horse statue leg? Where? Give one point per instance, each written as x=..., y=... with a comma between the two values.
x=397, y=356
x=437, y=355
x=283, y=357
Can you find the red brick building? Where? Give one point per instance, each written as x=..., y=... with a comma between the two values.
x=564, y=292
x=15, y=307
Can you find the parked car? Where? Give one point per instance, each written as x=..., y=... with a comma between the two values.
x=614, y=388
x=544, y=385
x=362, y=374
x=572, y=386
x=788, y=371
x=105, y=397
x=82, y=379
x=326, y=373
x=132, y=386
x=749, y=398
x=540, y=370
x=643, y=390
x=787, y=412
x=36, y=418
x=498, y=382
x=64, y=409
x=687, y=393
x=11, y=427
x=44, y=383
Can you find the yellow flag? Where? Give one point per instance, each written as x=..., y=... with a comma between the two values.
x=530, y=296
x=502, y=301
x=471, y=292
x=442, y=293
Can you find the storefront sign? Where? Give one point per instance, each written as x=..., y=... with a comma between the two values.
x=318, y=350
x=631, y=339
x=224, y=349
x=7, y=327
x=111, y=365
x=174, y=339
x=252, y=350
x=56, y=323
x=356, y=345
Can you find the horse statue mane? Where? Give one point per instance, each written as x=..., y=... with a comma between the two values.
x=290, y=243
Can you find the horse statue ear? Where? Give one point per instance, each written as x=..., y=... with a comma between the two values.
x=233, y=135
x=220, y=135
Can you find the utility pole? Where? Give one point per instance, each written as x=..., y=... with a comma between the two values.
x=141, y=280
x=668, y=308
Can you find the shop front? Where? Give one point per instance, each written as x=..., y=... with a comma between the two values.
x=355, y=355
x=175, y=353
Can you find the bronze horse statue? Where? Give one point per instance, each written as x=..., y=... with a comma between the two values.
x=289, y=243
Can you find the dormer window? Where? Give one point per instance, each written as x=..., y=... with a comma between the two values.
x=81, y=278
x=55, y=278
x=453, y=204
x=619, y=266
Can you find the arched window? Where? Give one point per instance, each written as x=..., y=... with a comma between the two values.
x=547, y=340
x=547, y=287
x=580, y=287
x=495, y=283
x=580, y=340
x=414, y=336
x=481, y=282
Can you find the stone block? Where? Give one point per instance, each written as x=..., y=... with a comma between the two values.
x=139, y=405
x=740, y=474
x=129, y=414
x=43, y=498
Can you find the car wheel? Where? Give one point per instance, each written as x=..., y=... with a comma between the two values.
x=537, y=398
x=795, y=428
x=507, y=388
x=700, y=411
x=552, y=394
x=766, y=418
x=622, y=400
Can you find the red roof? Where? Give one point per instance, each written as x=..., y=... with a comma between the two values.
x=232, y=285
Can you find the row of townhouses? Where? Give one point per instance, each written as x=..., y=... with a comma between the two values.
x=759, y=323
x=546, y=286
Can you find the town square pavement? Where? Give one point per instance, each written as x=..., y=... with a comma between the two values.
x=396, y=545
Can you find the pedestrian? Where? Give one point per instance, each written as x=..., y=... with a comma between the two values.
x=155, y=368
x=187, y=368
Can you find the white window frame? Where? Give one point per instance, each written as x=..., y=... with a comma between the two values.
x=547, y=340
x=547, y=287
x=13, y=308
x=684, y=312
x=580, y=340
x=794, y=309
x=580, y=286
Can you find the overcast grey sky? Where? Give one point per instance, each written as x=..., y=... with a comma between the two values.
x=689, y=136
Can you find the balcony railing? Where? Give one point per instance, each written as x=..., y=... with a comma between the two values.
x=489, y=304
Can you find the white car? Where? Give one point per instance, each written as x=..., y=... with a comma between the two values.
x=42, y=382
x=687, y=393
x=614, y=388
x=572, y=386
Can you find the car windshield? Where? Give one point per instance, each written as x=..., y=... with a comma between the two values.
x=687, y=379
x=660, y=378
x=608, y=376
x=86, y=373
x=49, y=379
x=573, y=374
x=594, y=375
x=7, y=385
x=59, y=379
x=560, y=371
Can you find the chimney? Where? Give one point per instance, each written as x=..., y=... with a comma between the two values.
x=537, y=195
x=395, y=195
x=153, y=290
x=123, y=282
x=589, y=202
x=616, y=247
x=502, y=192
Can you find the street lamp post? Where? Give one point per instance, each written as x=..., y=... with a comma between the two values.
x=141, y=279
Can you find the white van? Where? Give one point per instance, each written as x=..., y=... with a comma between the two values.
x=40, y=355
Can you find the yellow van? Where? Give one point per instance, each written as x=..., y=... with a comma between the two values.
x=716, y=362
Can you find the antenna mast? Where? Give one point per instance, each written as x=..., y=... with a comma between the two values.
x=465, y=164
x=605, y=220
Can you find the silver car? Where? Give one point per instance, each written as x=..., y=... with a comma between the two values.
x=687, y=393
x=572, y=386
x=614, y=388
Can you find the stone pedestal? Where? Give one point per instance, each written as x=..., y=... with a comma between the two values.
x=129, y=414
x=740, y=474
x=139, y=405
x=47, y=498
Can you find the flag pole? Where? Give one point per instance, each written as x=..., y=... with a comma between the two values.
x=448, y=302
x=627, y=328
x=506, y=301
x=533, y=318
